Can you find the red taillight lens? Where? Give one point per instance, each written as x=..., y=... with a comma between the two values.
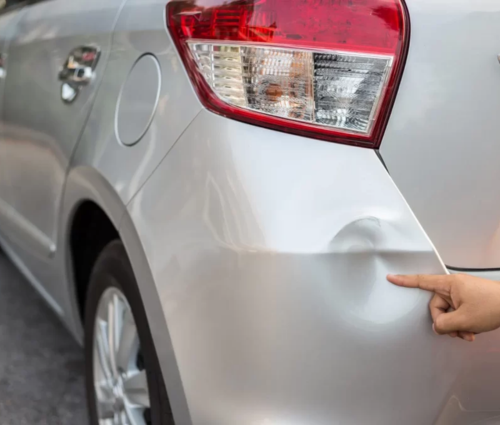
x=327, y=69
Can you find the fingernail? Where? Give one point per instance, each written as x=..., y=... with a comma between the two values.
x=434, y=329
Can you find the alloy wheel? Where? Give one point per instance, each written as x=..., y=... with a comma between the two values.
x=120, y=380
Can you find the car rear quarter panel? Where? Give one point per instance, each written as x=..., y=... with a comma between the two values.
x=269, y=253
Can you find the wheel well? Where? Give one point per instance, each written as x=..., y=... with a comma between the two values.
x=91, y=231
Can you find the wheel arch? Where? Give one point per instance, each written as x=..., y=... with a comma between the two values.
x=86, y=186
x=87, y=193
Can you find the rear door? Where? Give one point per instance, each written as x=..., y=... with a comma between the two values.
x=10, y=12
x=56, y=62
x=442, y=144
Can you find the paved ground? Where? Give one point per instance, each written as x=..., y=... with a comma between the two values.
x=41, y=367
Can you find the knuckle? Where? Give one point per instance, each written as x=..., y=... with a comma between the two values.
x=439, y=325
x=434, y=300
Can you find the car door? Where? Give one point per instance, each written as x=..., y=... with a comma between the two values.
x=9, y=16
x=56, y=61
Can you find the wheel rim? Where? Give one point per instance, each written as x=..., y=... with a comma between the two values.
x=120, y=380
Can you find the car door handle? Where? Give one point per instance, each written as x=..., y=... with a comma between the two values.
x=78, y=71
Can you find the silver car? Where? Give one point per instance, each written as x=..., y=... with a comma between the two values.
x=210, y=194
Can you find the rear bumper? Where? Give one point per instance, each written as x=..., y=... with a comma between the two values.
x=269, y=254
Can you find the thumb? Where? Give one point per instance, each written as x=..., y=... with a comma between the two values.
x=449, y=322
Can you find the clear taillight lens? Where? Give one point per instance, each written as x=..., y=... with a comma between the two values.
x=321, y=68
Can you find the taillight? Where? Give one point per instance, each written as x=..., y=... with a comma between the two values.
x=327, y=69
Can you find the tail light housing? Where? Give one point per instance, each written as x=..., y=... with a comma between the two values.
x=327, y=69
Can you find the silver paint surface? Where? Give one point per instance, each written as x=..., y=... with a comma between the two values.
x=140, y=29
x=8, y=25
x=39, y=131
x=138, y=101
x=441, y=145
x=269, y=253
x=260, y=256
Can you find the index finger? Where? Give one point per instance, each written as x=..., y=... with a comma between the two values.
x=440, y=284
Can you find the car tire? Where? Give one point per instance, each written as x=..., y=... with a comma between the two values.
x=112, y=276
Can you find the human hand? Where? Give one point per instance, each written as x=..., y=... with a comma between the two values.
x=462, y=305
